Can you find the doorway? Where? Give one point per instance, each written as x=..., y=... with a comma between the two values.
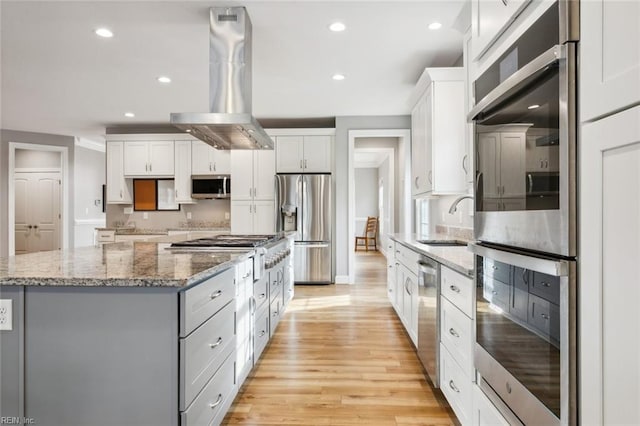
x=38, y=194
x=397, y=216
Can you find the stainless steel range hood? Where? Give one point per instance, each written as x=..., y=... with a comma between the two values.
x=230, y=124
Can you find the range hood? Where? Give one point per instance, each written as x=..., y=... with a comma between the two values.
x=230, y=124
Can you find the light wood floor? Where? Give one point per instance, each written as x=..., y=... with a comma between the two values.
x=340, y=356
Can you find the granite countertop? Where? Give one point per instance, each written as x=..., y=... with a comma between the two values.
x=164, y=231
x=126, y=264
x=458, y=258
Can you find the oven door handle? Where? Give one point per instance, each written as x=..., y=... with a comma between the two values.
x=514, y=83
x=555, y=267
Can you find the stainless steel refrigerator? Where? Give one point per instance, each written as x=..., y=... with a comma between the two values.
x=303, y=204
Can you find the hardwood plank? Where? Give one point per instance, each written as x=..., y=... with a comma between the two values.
x=340, y=356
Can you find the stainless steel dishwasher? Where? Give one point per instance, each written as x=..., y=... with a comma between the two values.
x=429, y=317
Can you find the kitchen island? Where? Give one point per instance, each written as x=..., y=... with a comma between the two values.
x=125, y=333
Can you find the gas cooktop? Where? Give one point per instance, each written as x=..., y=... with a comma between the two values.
x=233, y=241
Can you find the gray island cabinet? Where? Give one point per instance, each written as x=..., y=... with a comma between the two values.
x=123, y=334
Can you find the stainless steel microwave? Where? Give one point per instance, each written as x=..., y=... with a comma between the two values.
x=210, y=187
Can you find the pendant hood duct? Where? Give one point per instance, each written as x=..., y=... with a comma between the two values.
x=230, y=124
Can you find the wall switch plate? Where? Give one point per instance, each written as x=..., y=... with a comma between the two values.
x=188, y=215
x=226, y=215
x=128, y=210
x=145, y=215
x=6, y=314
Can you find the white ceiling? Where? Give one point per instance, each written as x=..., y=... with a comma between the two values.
x=58, y=77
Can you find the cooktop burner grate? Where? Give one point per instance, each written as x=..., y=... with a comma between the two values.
x=227, y=241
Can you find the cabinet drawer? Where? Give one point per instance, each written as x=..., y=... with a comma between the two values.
x=203, y=352
x=274, y=313
x=496, y=293
x=458, y=289
x=211, y=405
x=201, y=301
x=456, y=386
x=456, y=333
x=106, y=236
x=407, y=257
x=546, y=286
x=497, y=270
x=261, y=337
x=484, y=412
x=261, y=291
x=545, y=317
x=275, y=282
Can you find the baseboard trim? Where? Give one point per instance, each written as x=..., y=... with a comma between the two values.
x=342, y=279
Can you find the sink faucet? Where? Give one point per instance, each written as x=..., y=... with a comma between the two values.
x=454, y=205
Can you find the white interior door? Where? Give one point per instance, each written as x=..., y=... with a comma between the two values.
x=37, y=211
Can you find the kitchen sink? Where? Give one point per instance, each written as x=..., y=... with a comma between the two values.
x=443, y=243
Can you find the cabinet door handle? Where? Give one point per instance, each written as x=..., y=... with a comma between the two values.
x=216, y=294
x=541, y=164
x=453, y=332
x=213, y=345
x=121, y=193
x=545, y=316
x=218, y=401
x=524, y=276
x=454, y=288
x=301, y=164
x=176, y=193
x=262, y=296
x=451, y=384
x=29, y=226
x=210, y=167
x=262, y=333
x=464, y=166
x=150, y=167
x=415, y=181
x=305, y=164
x=546, y=164
x=214, y=166
x=431, y=177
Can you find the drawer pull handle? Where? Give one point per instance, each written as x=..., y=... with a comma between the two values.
x=453, y=332
x=262, y=333
x=495, y=293
x=218, y=401
x=494, y=267
x=213, y=345
x=262, y=296
x=275, y=314
x=545, y=316
x=216, y=294
x=454, y=288
x=545, y=284
x=453, y=386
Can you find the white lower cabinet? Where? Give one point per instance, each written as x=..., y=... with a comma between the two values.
x=484, y=412
x=456, y=386
x=609, y=318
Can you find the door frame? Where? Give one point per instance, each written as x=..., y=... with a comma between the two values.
x=403, y=135
x=64, y=202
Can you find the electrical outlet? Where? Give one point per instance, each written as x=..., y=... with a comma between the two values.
x=145, y=215
x=127, y=210
x=188, y=215
x=6, y=314
x=226, y=215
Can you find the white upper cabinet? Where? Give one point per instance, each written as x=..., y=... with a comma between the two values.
x=148, y=158
x=303, y=154
x=252, y=175
x=206, y=160
x=609, y=57
x=118, y=189
x=489, y=19
x=439, y=139
x=182, y=180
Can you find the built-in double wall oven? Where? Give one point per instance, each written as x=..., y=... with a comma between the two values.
x=525, y=222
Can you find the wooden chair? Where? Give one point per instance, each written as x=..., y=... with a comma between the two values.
x=370, y=234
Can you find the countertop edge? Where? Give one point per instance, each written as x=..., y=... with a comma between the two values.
x=409, y=241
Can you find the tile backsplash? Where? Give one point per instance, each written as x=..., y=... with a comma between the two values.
x=204, y=213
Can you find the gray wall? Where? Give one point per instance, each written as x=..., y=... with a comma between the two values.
x=343, y=125
x=7, y=136
x=366, y=192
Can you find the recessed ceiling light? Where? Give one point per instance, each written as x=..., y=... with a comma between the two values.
x=338, y=77
x=533, y=106
x=164, y=79
x=435, y=26
x=337, y=27
x=104, y=32
x=129, y=114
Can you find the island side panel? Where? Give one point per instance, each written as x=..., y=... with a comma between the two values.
x=12, y=357
x=101, y=355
